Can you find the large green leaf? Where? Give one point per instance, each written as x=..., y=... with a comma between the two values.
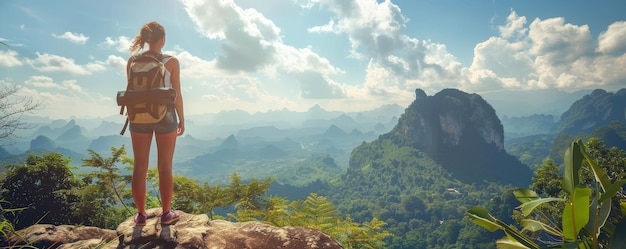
x=525, y=195
x=599, y=173
x=572, y=162
x=481, y=217
x=576, y=212
x=514, y=235
x=509, y=244
x=535, y=226
x=612, y=190
x=528, y=207
x=598, y=216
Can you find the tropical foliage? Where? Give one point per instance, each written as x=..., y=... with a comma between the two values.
x=319, y=213
x=45, y=190
x=588, y=218
x=38, y=187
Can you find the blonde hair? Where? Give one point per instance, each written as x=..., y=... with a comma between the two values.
x=149, y=33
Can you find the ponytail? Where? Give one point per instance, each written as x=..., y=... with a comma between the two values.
x=149, y=33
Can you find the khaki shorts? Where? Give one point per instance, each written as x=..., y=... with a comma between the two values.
x=168, y=124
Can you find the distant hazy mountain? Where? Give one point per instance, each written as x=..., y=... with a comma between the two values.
x=42, y=142
x=229, y=122
x=525, y=103
x=54, y=128
x=334, y=131
x=522, y=126
x=103, y=144
x=230, y=143
x=268, y=132
x=73, y=138
x=105, y=128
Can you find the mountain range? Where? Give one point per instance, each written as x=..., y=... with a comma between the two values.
x=417, y=168
x=316, y=130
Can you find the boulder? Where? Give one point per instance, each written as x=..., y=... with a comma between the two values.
x=191, y=231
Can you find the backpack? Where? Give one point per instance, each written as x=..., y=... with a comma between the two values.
x=146, y=97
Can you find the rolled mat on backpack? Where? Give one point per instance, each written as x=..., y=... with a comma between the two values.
x=162, y=95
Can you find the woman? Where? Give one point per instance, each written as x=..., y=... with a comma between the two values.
x=165, y=131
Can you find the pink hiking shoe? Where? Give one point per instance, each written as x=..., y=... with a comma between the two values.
x=169, y=218
x=140, y=219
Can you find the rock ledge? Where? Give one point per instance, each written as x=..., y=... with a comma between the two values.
x=191, y=231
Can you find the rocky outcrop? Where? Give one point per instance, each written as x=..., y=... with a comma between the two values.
x=191, y=231
x=461, y=132
x=443, y=120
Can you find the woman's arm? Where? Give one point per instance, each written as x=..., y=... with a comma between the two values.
x=173, y=67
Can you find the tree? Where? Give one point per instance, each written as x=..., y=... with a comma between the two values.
x=212, y=197
x=109, y=174
x=187, y=197
x=103, y=191
x=12, y=109
x=39, y=186
x=547, y=180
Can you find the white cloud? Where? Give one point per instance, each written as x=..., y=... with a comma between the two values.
x=292, y=60
x=56, y=97
x=44, y=82
x=328, y=28
x=40, y=81
x=504, y=58
x=612, y=41
x=543, y=54
x=376, y=32
x=194, y=67
x=548, y=54
x=306, y=4
x=251, y=43
x=116, y=62
x=376, y=28
x=9, y=59
x=72, y=37
x=120, y=44
x=231, y=92
x=514, y=27
x=558, y=42
x=54, y=63
x=249, y=36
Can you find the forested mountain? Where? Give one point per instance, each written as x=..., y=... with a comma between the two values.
x=599, y=114
x=461, y=132
x=592, y=111
x=445, y=155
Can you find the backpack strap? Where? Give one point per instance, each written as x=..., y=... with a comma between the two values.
x=134, y=57
x=124, y=127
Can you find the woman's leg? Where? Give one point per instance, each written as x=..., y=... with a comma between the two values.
x=141, y=151
x=165, y=146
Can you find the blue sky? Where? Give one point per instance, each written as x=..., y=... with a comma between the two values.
x=346, y=55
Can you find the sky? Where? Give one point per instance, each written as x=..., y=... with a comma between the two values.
x=343, y=55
